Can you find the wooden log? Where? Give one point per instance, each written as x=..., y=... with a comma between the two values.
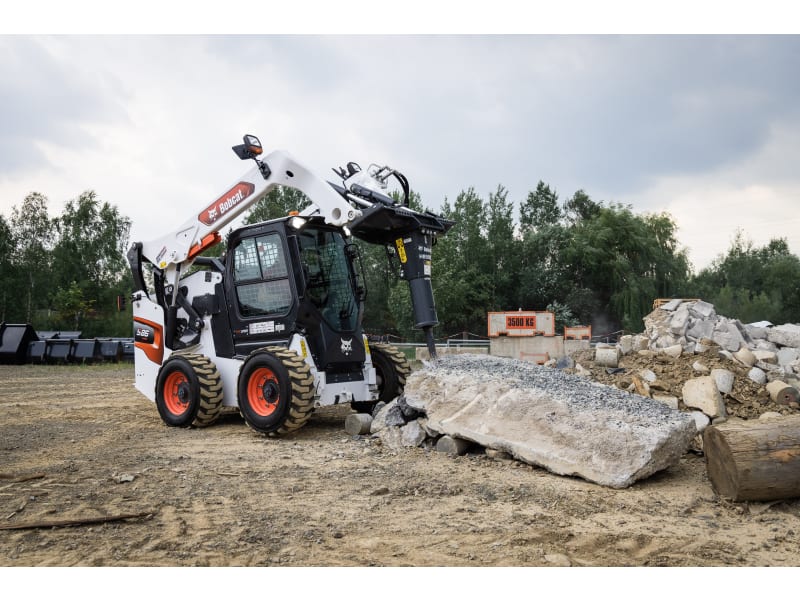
x=75, y=521
x=357, y=424
x=754, y=460
x=642, y=388
x=21, y=478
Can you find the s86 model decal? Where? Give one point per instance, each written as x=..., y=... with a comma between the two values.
x=149, y=337
x=144, y=333
x=226, y=202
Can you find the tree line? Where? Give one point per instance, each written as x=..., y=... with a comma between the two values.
x=64, y=273
x=589, y=262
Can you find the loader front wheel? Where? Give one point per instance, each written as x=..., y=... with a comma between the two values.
x=276, y=391
x=391, y=370
x=188, y=391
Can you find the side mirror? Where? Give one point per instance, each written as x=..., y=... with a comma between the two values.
x=250, y=149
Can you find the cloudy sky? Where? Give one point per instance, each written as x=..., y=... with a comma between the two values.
x=706, y=127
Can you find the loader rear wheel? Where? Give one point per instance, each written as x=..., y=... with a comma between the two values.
x=391, y=370
x=276, y=391
x=188, y=391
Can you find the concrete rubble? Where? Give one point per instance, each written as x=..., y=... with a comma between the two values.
x=538, y=415
x=743, y=369
x=613, y=414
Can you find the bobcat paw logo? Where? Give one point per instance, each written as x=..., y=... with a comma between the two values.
x=347, y=346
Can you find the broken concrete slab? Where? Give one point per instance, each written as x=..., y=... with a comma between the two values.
x=756, y=332
x=766, y=356
x=702, y=310
x=700, y=367
x=679, y=321
x=640, y=342
x=786, y=356
x=745, y=356
x=724, y=380
x=727, y=336
x=389, y=416
x=668, y=399
x=701, y=420
x=648, y=375
x=766, y=345
x=772, y=371
x=700, y=330
x=412, y=434
x=625, y=344
x=391, y=437
x=702, y=393
x=757, y=375
x=409, y=412
x=549, y=418
x=409, y=435
x=784, y=335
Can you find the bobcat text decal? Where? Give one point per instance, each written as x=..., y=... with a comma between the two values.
x=226, y=202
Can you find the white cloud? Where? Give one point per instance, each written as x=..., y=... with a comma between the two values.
x=756, y=195
x=697, y=126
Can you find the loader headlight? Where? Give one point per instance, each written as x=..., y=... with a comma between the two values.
x=297, y=222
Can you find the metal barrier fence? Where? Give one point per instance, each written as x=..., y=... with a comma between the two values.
x=21, y=343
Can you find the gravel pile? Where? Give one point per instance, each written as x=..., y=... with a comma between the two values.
x=575, y=392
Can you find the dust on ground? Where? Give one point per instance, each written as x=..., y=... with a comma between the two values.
x=80, y=443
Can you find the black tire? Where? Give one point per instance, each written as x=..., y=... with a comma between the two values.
x=391, y=370
x=188, y=391
x=276, y=391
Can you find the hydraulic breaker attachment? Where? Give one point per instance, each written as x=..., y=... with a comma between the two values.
x=409, y=235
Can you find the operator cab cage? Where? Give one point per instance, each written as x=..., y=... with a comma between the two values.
x=285, y=276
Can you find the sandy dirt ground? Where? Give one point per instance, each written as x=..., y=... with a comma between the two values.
x=80, y=445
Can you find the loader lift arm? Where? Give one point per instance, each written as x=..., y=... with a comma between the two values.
x=359, y=207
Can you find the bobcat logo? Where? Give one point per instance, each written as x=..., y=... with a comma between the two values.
x=347, y=346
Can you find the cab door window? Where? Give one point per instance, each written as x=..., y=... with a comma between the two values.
x=261, y=276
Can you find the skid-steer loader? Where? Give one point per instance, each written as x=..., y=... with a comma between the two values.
x=273, y=327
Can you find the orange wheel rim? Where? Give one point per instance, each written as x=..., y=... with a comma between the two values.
x=263, y=392
x=176, y=393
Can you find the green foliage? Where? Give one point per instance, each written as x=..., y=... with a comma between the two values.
x=581, y=208
x=71, y=307
x=66, y=272
x=563, y=316
x=463, y=283
x=540, y=209
x=589, y=263
x=8, y=272
x=627, y=260
x=276, y=204
x=751, y=283
x=32, y=232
